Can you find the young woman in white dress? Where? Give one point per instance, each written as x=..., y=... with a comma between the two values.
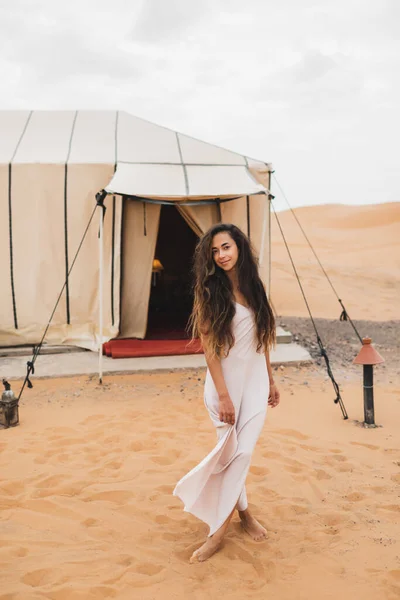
x=234, y=320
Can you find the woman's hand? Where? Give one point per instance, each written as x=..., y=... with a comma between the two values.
x=274, y=396
x=226, y=409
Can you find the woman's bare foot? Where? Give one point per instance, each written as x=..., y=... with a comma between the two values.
x=253, y=527
x=206, y=550
x=212, y=544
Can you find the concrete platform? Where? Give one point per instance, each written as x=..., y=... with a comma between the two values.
x=86, y=363
x=282, y=336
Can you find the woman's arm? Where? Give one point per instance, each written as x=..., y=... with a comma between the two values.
x=269, y=368
x=274, y=395
x=226, y=408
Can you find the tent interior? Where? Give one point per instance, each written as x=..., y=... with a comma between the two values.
x=171, y=296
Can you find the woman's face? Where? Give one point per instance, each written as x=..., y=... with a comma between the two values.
x=225, y=251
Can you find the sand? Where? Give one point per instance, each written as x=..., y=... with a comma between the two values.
x=86, y=505
x=87, y=510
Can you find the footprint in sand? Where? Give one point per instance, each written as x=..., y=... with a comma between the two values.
x=149, y=569
x=391, y=507
x=290, y=513
x=171, y=537
x=114, y=465
x=115, y=496
x=165, y=489
x=312, y=448
x=269, y=454
x=51, y=482
x=333, y=520
x=147, y=574
x=369, y=446
x=265, y=569
x=12, y=488
x=48, y=508
x=90, y=522
x=94, y=419
x=164, y=520
x=70, y=490
x=292, y=433
x=261, y=471
x=167, y=460
x=41, y=577
x=291, y=469
x=321, y=474
x=339, y=458
x=125, y=560
x=355, y=497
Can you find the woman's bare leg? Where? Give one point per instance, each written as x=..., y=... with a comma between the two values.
x=212, y=544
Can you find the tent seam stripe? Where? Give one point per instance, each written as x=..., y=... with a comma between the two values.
x=11, y=247
x=113, y=225
x=112, y=261
x=21, y=136
x=10, y=233
x=176, y=164
x=71, y=136
x=68, y=308
x=183, y=164
x=248, y=215
x=116, y=137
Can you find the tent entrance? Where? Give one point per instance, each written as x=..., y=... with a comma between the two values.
x=171, y=297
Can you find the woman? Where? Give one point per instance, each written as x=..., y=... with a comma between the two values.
x=232, y=316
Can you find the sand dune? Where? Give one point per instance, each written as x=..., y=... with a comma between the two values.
x=87, y=511
x=359, y=248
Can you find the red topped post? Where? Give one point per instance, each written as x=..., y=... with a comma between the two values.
x=368, y=357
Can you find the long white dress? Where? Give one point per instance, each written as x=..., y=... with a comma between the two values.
x=211, y=490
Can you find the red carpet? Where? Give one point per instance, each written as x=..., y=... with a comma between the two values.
x=136, y=348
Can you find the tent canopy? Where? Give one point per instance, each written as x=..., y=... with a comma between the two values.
x=174, y=166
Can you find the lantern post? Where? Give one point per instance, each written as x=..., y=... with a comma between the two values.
x=368, y=357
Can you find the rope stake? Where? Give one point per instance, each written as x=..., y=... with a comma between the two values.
x=344, y=315
x=338, y=399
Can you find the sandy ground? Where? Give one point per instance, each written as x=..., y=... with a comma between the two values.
x=86, y=505
x=87, y=477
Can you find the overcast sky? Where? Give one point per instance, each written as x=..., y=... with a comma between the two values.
x=312, y=86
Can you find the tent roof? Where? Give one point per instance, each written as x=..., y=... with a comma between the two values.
x=151, y=161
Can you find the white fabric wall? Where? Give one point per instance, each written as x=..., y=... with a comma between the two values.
x=137, y=260
x=39, y=254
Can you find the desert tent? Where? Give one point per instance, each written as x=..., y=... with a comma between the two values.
x=52, y=165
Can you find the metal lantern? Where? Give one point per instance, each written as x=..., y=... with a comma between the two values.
x=9, y=416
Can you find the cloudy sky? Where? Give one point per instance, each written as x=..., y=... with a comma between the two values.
x=312, y=86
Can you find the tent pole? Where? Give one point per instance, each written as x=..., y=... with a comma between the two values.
x=101, y=213
x=262, y=246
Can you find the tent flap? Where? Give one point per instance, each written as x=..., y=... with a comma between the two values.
x=175, y=182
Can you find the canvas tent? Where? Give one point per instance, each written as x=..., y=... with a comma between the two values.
x=52, y=164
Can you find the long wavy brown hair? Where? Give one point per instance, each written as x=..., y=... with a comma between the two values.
x=214, y=303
